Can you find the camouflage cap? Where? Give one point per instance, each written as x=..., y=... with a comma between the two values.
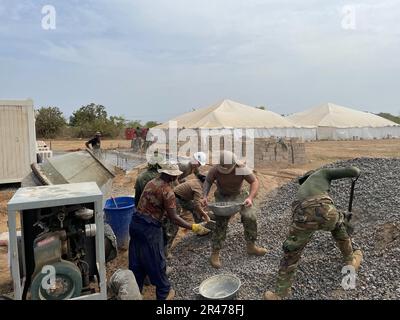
x=170, y=169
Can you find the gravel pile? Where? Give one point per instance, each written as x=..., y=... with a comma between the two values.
x=377, y=231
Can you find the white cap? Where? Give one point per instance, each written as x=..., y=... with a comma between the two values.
x=200, y=157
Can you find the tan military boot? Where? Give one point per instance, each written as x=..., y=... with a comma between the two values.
x=215, y=262
x=357, y=259
x=269, y=295
x=171, y=294
x=254, y=250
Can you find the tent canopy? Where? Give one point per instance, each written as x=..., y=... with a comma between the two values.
x=332, y=115
x=230, y=114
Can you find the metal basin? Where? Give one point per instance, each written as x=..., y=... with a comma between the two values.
x=219, y=287
x=225, y=209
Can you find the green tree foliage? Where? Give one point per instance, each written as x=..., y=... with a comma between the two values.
x=93, y=117
x=84, y=122
x=49, y=122
x=151, y=124
x=133, y=124
x=261, y=107
x=88, y=114
x=389, y=117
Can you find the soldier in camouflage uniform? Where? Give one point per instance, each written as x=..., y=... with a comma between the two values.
x=189, y=196
x=191, y=167
x=153, y=165
x=229, y=175
x=314, y=210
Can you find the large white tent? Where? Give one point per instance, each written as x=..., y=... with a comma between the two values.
x=335, y=122
x=228, y=114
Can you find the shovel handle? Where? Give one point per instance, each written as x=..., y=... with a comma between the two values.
x=115, y=203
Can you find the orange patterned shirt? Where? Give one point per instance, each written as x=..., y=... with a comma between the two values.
x=157, y=197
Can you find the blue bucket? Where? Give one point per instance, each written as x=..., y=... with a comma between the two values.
x=119, y=217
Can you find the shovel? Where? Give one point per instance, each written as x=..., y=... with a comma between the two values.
x=210, y=224
x=115, y=202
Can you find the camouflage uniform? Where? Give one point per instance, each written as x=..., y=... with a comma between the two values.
x=188, y=195
x=171, y=229
x=309, y=215
x=248, y=218
x=229, y=188
x=187, y=169
x=143, y=179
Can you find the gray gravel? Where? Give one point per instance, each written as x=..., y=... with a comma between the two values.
x=377, y=223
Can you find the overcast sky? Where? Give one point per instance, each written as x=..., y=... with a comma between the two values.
x=155, y=59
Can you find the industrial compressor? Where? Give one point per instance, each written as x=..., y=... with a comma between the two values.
x=61, y=253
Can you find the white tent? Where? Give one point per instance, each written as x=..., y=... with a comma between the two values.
x=228, y=114
x=335, y=122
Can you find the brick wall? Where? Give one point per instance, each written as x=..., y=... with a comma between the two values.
x=271, y=150
x=268, y=150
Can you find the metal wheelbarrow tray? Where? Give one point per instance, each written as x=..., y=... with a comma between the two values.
x=219, y=287
x=225, y=209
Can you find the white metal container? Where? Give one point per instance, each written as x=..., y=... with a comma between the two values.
x=17, y=139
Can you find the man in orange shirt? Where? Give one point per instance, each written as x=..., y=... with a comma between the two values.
x=146, y=247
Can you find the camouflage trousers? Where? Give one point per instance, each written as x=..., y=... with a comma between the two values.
x=170, y=229
x=248, y=219
x=310, y=215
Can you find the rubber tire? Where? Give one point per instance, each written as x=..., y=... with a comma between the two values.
x=67, y=270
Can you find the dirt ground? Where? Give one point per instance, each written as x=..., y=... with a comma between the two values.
x=74, y=145
x=318, y=153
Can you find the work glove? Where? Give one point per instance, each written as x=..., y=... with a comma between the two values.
x=199, y=229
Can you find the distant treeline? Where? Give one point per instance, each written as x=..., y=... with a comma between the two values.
x=390, y=117
x=84, y=122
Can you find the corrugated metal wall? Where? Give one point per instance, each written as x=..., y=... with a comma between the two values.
x=17, y=140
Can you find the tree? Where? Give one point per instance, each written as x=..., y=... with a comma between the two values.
x=88, y=114
x=133, y=124
x=151, y=124
x=261, y=107
x=49, y=122
x=389, y=116
x=93, y=117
